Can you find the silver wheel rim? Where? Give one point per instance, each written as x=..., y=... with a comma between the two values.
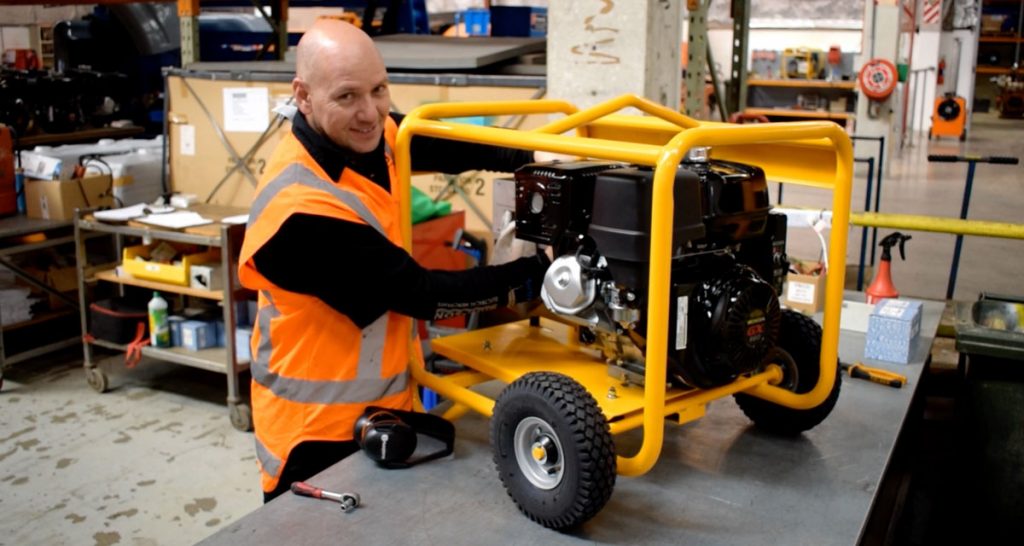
x=539, y=453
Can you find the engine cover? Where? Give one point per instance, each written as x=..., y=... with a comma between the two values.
x=732, y=324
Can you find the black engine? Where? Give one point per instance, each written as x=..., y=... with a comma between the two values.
x=728, y=261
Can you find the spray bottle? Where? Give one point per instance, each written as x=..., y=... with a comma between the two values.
x=882, y=287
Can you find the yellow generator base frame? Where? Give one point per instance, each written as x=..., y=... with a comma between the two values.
x=813, y=153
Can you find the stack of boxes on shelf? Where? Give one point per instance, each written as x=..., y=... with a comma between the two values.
x=109, y=173
x=197, y=329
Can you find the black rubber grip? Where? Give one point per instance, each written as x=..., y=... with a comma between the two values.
x=995, y=159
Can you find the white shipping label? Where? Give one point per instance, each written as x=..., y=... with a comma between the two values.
x=800, y=292
x=682, y=311
x=44, y=207
x=246, y=109
x=893, y=308
x=187, y=137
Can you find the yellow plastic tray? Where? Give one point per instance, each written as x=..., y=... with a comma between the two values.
x=177, y=273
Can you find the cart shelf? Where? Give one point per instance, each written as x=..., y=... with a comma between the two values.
x=110, y=275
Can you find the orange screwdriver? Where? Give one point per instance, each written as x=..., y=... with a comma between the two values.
x=877, y=375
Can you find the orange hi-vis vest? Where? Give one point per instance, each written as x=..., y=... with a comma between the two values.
x=313, y=370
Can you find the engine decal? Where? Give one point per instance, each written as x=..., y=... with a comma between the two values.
x=682, y=310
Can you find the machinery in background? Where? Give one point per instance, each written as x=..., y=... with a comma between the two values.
x=949, y=117
x=8, y=189
x=1010, y=101
x=33, y=101
x=804, y=63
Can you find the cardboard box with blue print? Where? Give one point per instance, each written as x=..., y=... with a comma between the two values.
x=893, y=328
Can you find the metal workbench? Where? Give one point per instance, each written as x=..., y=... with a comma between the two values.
x=718, y=481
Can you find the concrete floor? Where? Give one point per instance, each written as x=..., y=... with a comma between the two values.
x=155, y=460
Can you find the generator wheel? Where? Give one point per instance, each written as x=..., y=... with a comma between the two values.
x=553, y=449
x=798, y=353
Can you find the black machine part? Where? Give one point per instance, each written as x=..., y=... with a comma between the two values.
x=892, y=240
x=949, y=109
x=731, y=325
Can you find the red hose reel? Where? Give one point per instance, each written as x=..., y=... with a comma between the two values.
x=878, y=78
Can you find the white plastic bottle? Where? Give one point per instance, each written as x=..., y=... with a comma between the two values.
x=159, y=329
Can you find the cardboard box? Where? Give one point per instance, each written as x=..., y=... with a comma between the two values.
x=198, y=160
x=892, y=328
x=58, y=199
x=197, y=335
x=63, y=280
x=805, y=293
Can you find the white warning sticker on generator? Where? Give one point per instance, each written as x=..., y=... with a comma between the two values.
x=682, y=310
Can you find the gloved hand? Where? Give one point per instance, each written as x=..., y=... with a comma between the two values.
x=507, y=248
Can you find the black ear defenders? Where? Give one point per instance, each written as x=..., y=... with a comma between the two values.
x=388, y=436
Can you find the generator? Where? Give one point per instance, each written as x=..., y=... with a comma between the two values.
x=728, y=265
x=803, y=63
x=662, y=294
x=949, y=117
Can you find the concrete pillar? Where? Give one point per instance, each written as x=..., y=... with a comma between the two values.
x=881, y=40
x=600, y=49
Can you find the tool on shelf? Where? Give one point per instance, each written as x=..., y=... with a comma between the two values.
x=881, y=287
x=858, y=370
x=348, y=501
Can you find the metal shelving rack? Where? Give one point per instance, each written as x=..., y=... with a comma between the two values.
x=219, y=359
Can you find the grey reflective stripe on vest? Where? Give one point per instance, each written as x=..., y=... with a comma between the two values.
x=367, y=386
x=270, y=464
x=299, y=174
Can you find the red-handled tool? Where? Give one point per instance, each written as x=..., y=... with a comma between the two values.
x=348, y=501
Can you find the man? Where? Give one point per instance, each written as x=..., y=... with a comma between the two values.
x=337, y=293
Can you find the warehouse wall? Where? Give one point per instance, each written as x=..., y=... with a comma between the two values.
x=45, y=15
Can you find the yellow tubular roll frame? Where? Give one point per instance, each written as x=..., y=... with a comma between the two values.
x=665, y=158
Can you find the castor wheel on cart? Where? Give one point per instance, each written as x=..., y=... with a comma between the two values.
x=96, y=379
x=553, y=449
x=241, y=417
x=798, y=353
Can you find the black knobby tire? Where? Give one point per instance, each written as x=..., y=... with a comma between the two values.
x=575, y=477
x=800, y=339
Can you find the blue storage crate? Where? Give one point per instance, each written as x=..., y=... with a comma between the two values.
x=519, y=21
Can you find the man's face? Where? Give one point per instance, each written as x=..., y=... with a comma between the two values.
x=347, y=102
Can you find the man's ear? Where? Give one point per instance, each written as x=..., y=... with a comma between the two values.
x=300, y=90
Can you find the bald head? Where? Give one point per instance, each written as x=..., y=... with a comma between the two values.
x=331, y=43
x=341, y=85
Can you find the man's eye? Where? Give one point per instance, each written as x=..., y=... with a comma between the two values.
x=380, y=89
x=345, y=97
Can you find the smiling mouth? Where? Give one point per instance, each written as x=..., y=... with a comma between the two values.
x=369, y=131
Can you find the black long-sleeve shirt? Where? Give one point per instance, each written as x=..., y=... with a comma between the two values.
x=360, y=273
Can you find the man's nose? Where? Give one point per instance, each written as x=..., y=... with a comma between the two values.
x=366, y=109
